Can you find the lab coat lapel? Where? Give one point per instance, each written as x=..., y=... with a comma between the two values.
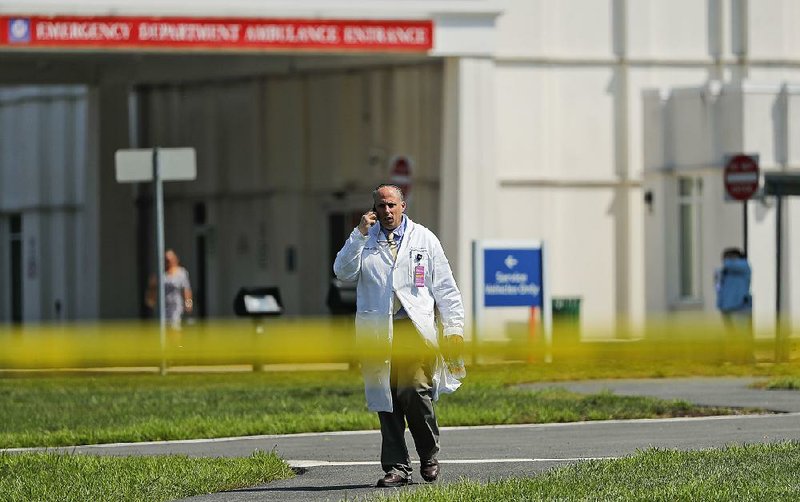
x=378, y=240
x=402, y=251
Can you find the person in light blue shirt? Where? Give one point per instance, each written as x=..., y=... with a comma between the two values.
x=733, y=283
x=735, y=303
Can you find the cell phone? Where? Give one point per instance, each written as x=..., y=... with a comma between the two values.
x=375, y=210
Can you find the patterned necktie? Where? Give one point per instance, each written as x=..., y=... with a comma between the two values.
x=393, y=248
x=392, y=245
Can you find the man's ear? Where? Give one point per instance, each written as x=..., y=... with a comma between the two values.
x=404, y=206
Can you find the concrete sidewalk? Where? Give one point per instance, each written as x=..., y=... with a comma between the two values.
x=731, y=392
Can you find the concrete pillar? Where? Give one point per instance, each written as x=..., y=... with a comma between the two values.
x=622, y=206
x=468, y=178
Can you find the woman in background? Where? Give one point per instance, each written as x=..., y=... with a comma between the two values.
x=177, y=291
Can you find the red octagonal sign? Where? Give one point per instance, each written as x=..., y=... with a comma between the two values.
x=400, y=171
x=741, y=176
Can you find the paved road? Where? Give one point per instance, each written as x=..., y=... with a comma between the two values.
x=345, y=465
x=711, y=391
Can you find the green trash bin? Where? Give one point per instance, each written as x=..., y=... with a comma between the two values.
x=566, y=323
x=566, y=308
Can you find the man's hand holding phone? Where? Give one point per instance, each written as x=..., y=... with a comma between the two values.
x=367, y=220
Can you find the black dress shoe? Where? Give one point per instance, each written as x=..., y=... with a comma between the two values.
x=429, y=471
x=392, y=480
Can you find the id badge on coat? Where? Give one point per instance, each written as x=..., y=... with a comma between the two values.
x=419, y=276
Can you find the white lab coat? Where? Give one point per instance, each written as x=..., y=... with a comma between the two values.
x=367, y=258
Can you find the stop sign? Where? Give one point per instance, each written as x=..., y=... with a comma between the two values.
x=400, y=169
x=741, y=176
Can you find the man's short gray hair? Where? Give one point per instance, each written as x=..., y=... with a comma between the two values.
x=389, y=185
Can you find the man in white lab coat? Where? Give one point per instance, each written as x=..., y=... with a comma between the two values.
x=403, y=275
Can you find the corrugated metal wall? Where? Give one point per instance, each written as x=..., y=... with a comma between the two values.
x=43, y=182
x=276, y=157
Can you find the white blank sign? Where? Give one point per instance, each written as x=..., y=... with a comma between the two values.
x=136, y=165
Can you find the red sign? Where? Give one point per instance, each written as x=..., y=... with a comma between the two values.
x=741, y=176
x=76, y=32
x=400, y=173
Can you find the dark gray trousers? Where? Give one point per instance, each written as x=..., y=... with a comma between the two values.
x=412, y=368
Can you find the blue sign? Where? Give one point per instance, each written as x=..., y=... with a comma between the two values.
x=512, y=277
x=19, y=30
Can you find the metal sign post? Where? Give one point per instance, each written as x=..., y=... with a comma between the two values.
x=157, y=165
x=780, y=185
x=781, y=354
x=158, y=200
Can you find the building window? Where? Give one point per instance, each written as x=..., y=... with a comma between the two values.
x=690, y=191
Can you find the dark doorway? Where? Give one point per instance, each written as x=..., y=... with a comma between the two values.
x=340, y=225
x=341, y=298
x=201, y=258
x=15, y=242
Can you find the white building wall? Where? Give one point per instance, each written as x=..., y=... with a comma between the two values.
x=772, y=29
x=567, y=28
x=571, y=78
x=557, y=161
x=690, y=132
x=665, y=30
x=468, y=164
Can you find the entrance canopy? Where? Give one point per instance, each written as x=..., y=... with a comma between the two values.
x=434, y=28
x=126, y=32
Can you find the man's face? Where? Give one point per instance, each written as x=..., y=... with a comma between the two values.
x=389, y=208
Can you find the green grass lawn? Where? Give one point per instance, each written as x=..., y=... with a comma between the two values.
x=66, y=409
x=54, y=477
x=749, y=472
x=69, y=409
